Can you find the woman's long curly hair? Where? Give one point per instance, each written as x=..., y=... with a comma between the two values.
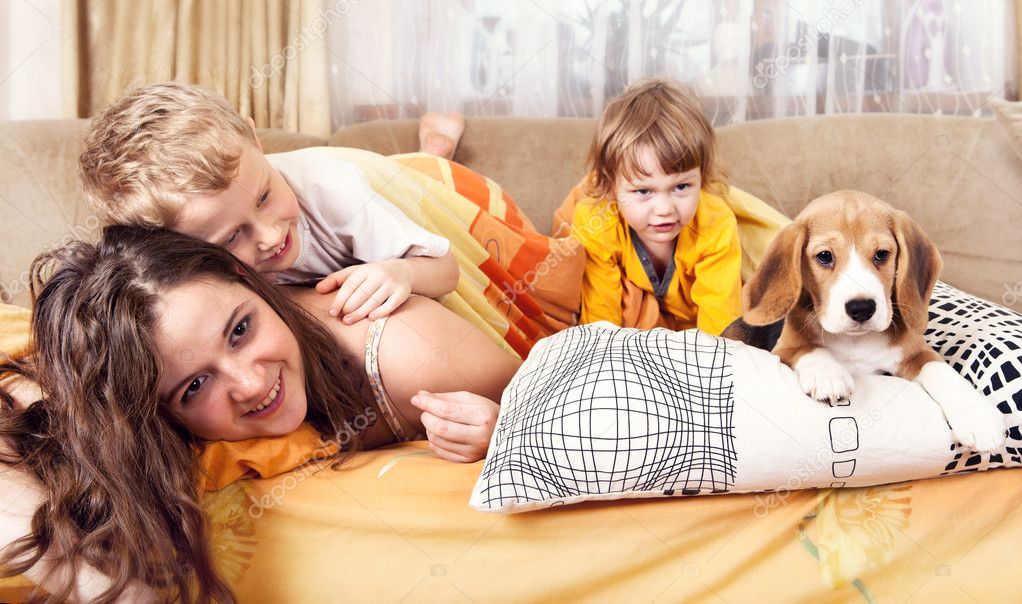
x=119, y=473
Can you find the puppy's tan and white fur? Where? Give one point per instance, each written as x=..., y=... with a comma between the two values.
x=852, y=279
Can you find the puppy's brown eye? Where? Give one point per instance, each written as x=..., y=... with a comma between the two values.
x=881, y=256
x=825, y=258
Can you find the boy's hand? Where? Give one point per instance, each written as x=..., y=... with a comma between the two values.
x=458, y=424
x=371, y=290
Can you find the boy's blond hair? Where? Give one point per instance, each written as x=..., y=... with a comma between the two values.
x=156, y=145
x=667, y=118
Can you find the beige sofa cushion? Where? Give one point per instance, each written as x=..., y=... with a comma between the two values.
x=41, y=200
x=1009, y=114
x=956, y=176
x=42, y=204
x=278, y=141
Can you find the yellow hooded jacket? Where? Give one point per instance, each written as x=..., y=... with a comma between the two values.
x=702, y=288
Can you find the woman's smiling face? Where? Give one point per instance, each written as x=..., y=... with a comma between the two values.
x=230, y=368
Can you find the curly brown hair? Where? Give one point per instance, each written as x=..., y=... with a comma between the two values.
x=118, y=471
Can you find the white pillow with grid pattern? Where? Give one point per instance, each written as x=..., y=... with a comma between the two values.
x=598, y=412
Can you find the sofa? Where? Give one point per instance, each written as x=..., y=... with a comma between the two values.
x=958, y=177
x=395, y=525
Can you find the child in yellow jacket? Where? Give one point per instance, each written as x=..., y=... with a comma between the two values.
x=661, y=242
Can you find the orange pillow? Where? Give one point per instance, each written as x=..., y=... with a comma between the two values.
x=222, y=462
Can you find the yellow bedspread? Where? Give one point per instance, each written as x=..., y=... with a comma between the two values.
x=395, y=526
x=14, y=328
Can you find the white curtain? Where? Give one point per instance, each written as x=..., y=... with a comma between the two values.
x=748, y=59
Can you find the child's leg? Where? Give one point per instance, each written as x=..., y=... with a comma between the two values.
x=439, y=133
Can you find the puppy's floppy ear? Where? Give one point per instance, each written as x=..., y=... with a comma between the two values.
x=775, y=288
x=918, y=264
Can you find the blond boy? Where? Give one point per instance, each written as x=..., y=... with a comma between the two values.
x=178, y=156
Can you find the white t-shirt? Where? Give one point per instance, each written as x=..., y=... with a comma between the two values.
x=343, y=221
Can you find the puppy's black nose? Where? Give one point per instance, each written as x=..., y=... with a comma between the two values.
x=860, y=310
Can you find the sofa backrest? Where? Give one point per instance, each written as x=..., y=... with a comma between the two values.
x=536, y=161
x=956, y=176
x=41, y=202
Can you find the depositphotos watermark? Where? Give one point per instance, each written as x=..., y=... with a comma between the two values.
x=1012, y=293
x=570, y=249
x=313, y=32
x=777, y=66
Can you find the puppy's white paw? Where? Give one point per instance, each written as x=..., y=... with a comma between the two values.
x=823, y=378
x=976, y=423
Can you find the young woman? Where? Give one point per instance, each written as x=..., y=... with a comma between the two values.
x=150, y=342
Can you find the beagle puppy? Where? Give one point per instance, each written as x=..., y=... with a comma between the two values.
x=851, y=280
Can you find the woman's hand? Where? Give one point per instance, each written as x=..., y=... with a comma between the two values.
x=458, y=424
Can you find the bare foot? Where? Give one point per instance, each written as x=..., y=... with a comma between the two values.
x=439, y=133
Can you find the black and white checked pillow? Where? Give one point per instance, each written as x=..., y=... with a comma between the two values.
x=983, y=342
x=601, y=412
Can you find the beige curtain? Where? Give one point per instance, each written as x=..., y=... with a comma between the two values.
x=1018, y=50
x=267, y=57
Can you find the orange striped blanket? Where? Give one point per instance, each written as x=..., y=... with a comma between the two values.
x=516, y=284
